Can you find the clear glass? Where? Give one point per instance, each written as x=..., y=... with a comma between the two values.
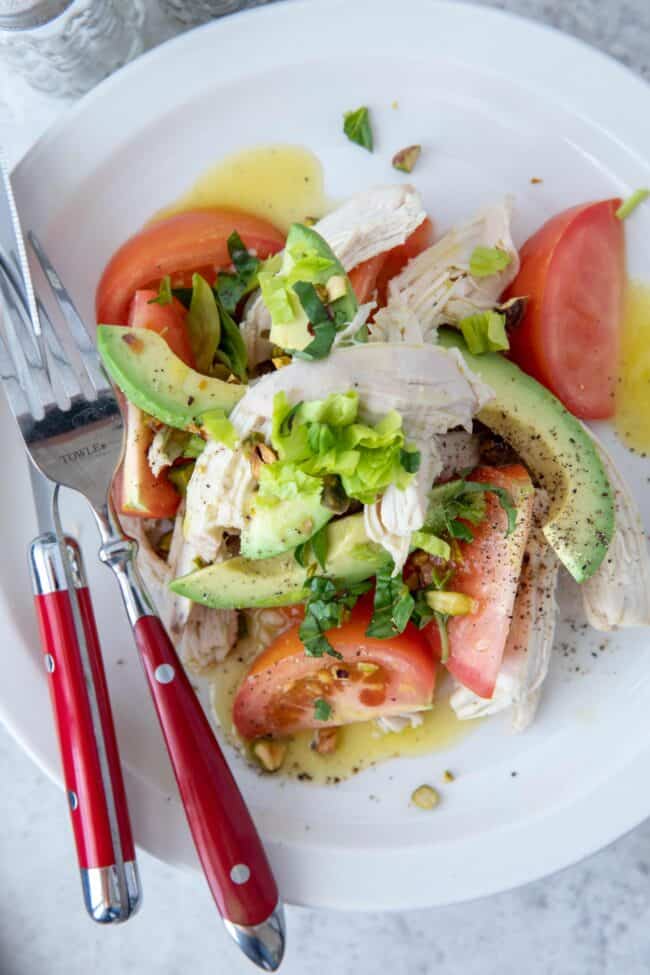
x=67, y=51
x=193, y=12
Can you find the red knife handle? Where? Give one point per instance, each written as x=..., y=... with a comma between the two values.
x=86, y=733
x=227, y=842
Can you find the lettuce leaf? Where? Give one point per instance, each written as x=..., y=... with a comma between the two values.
x=218, y=427
x=485, y=332
x=486, y=261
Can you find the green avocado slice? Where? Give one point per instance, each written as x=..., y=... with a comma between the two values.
x=154, y=379
x=560, y=455
x=280, y=581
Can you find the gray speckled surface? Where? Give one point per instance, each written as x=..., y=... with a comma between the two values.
x=593, y=919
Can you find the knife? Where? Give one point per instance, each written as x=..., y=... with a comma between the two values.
x=72, y=659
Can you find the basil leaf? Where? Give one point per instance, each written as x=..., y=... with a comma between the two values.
x=184, y=295
x=313, y=307
x=410, y=460
x=229, y=289
x=300, y=554
x=320, y=347
x=246, y=264
x=356, y=125
x=165, y=295
x=232, y=348
x=325, y=609
x=393, y=605
x=322, y=710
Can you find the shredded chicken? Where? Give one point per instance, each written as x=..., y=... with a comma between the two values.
x=202, y=636
x=528, y=649
x=618, y=594
x=217, y=494
x=367, y=224
x=436, y=287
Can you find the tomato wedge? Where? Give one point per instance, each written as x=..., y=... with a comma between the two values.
x=139, y=492
x=572, y=271
x=375, y=677
x=374, y=274
x=166, y=320
x=195, y=241
x=489, y=573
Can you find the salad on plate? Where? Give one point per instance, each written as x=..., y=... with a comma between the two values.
x=356, y=458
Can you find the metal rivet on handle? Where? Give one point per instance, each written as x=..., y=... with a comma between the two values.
x=164, y=674
x=73, y=800
x=240, y=873
x=49, y=663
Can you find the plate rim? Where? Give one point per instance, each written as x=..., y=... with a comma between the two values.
x=290, y=863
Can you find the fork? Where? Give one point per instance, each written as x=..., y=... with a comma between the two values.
x=79, y=444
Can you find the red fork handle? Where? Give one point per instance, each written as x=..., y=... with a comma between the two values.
x=227, y=842
x=87, y=741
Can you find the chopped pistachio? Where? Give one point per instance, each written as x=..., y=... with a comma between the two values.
x=514, y=310
x=394, y=105
x=310, y=221
x=535, y=180
x=270, y=754
x=425, y=797
x=325, y=741
x=336, y=287
x=405, y=159
x=448, y=776
x=280, y=361
x=451, y=603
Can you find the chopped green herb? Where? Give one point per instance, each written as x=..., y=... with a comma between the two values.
x=231, y=287
x=325, y=609
x=486, y=261
x=356, y=125
x=318, y=543
x=322, y=710
x=164, y=296
x=632, y=202
x=485, y=332
x=393, y=605
x=321, y=345
x=232, y=348
x=410, y=460
x=461, y=499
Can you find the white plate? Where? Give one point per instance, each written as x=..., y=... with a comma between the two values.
x=495, y=101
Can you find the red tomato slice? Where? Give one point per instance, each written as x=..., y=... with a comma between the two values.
x=277, y=695
x=178, y=245
x=375, y=273
x=572, y=271
x=489, y=573
x=166, y=320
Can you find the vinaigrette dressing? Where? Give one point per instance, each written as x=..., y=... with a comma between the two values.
x=283, y=184
x=633, y=397
x=360, y=745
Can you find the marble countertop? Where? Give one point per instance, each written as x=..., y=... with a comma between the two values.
x=592, y=919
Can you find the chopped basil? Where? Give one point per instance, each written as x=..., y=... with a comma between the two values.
x=356, y=125
x=393, y=605
x=231, y=287
x=164, y=296
x=632, y=202
x=461, y=499
x=410, y=461
x=318, y=546
x=232, y=348
x=325, y=609
x=322, y=710
x=322, y=326
x=486, y=261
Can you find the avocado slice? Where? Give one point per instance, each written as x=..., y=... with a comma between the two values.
x=557, y=451
x=305, y=245
x=280, y=581
x=271, y=530
x=157, y=381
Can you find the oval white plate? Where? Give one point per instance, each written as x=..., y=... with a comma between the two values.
x=494, y=101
